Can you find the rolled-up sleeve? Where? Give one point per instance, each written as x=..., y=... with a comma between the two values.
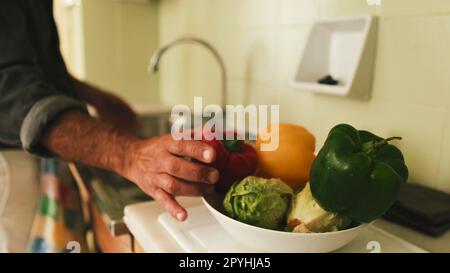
x=40, y=115
x=28, y=101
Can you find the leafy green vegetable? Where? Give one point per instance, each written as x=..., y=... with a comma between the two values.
x=259, y=202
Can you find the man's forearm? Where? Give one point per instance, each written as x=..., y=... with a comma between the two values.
x=77, y=137
x=158, y=165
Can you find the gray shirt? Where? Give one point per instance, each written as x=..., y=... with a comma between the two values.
x=35, y=87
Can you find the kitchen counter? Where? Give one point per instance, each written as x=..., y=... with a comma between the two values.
x=151, y=236
x=429, y=243
x=154, y=239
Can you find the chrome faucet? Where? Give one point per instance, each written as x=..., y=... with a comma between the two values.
x=153, y=65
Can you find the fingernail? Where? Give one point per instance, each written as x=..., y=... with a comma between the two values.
x=213, y=176
x=207, y=154
x=180, y=216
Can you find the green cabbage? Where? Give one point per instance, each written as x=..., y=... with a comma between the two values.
x=259, y=202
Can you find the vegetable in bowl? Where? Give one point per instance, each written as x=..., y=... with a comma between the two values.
x=306, y=216
x=259, y=202
x=235, y=159
x=357, y=173
x=355, y=178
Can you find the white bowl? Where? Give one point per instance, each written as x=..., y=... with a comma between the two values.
x=267, y=240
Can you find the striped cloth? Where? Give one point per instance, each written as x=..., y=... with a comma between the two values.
x=58, y=225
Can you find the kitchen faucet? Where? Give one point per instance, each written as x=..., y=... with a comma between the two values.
x=156, y=57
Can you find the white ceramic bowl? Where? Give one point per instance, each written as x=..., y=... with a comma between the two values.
x=267, y=240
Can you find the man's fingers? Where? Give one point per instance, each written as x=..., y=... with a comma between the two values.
x=170, y=204
x=193, y=149
x=190, y=171
x=177, y=187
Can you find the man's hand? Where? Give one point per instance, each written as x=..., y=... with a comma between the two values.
x=162, y=168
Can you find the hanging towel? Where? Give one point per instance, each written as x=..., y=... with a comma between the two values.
x=58, y=224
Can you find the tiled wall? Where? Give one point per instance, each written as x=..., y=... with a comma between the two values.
x=261, y=41
x=108, y=43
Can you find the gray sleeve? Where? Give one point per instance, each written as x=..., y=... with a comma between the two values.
x=29, y=98
x=40, y=116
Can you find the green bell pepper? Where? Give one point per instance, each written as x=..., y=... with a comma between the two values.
x=357, y=174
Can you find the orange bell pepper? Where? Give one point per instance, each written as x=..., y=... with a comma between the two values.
x=292, y=160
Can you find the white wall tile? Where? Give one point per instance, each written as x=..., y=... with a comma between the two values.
x=260, y=93
x=171, y=20
x=290, y=44
x=336, y=8
x=236, y=92
x=413, y=62
x=252, y=55
x=233, y=14
x=118, y=40
x=256, y=13
x=297, y=12
x=296, y=107
x=198, y=63
x=414, y=7
x=171, y=77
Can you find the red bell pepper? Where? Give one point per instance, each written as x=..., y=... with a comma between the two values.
x=235, y=160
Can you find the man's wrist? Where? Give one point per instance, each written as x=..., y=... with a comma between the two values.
x=120, y=157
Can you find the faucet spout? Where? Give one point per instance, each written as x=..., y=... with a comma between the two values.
x=153, y=66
